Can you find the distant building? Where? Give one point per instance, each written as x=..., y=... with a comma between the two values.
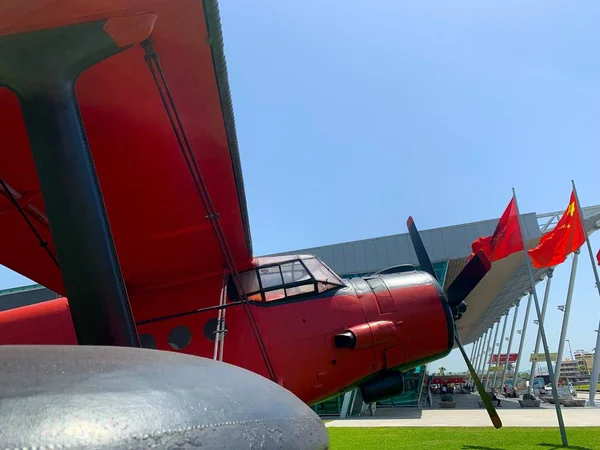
x=569, y=368
x=585, y=361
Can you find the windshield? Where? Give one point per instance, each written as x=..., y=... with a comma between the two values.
x=289, y=277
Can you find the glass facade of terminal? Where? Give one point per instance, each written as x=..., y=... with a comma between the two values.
x=411, y=397
x=413, y=384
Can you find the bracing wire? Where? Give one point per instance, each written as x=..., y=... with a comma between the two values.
x=37, y=234
x=151, y=58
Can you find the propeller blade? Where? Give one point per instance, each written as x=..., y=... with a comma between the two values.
x=417, y=243
x=484, y=395
x=468, y=278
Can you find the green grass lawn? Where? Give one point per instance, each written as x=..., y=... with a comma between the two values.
x=585, y=387
x=461, y=438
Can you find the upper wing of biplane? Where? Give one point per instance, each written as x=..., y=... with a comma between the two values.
x=158, y=220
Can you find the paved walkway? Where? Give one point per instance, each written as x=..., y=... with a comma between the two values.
x=469, y=414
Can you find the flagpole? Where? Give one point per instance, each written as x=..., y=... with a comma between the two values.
x=566, y=314
x=561, y=424
x=596, y=367
x=537, y=339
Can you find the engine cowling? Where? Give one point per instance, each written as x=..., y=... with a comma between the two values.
x=387, y=384
x=367, y=335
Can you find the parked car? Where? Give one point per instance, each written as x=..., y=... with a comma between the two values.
x=572, y=390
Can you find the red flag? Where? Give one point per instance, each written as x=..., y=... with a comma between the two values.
x=598, y=257
x=506, y=239
x=565, y=238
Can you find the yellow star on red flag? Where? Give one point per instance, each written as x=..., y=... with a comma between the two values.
x=565, y=238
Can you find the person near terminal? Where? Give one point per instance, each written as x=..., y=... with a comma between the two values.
x=494, y=396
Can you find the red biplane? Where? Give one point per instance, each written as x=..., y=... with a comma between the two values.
x=119, y=139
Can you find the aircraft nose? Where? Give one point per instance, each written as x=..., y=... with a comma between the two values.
x=407, y=319
x=426, y=318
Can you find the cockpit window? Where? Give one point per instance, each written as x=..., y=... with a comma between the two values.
x=270, y=277
x=320, y=271
x=249, y=281
x=294, y=272
x=288, y=279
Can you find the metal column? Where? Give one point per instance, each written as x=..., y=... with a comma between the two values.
x=523, y=332
x=539, y=336
x=486, y=351
x=487, y=376
x=595, y=369
x=596, y=366
x=500, y=350
x=481, y=350
x=567, y=311
x=476, y=356
x=41, y=68
x=345, y=409
x=476, y=345
x=510, y=339
x=473, y=350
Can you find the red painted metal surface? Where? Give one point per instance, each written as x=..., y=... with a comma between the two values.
x=170, y=258
x=47, y=323
x=298, y=335
x=157, y=219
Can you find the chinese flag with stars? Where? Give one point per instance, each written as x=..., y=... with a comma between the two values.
x=506, y=239
x=565, y=238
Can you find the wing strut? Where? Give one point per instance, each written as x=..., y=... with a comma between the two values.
x=153, y=63
x=221, y=329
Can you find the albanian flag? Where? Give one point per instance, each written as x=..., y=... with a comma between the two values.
x=506, y=239
x=565, y=238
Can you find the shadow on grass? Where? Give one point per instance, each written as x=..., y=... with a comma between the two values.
x=554, y=446
x=397, y=413
x=549, y=446
x=480, y=447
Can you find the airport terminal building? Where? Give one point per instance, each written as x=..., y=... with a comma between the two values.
x=449, y=248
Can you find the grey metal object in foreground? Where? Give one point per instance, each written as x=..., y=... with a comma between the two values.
x=117, y=398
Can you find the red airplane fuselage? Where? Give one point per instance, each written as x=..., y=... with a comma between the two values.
x=321, y=338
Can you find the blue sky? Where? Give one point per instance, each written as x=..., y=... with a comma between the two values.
x=353, y=115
